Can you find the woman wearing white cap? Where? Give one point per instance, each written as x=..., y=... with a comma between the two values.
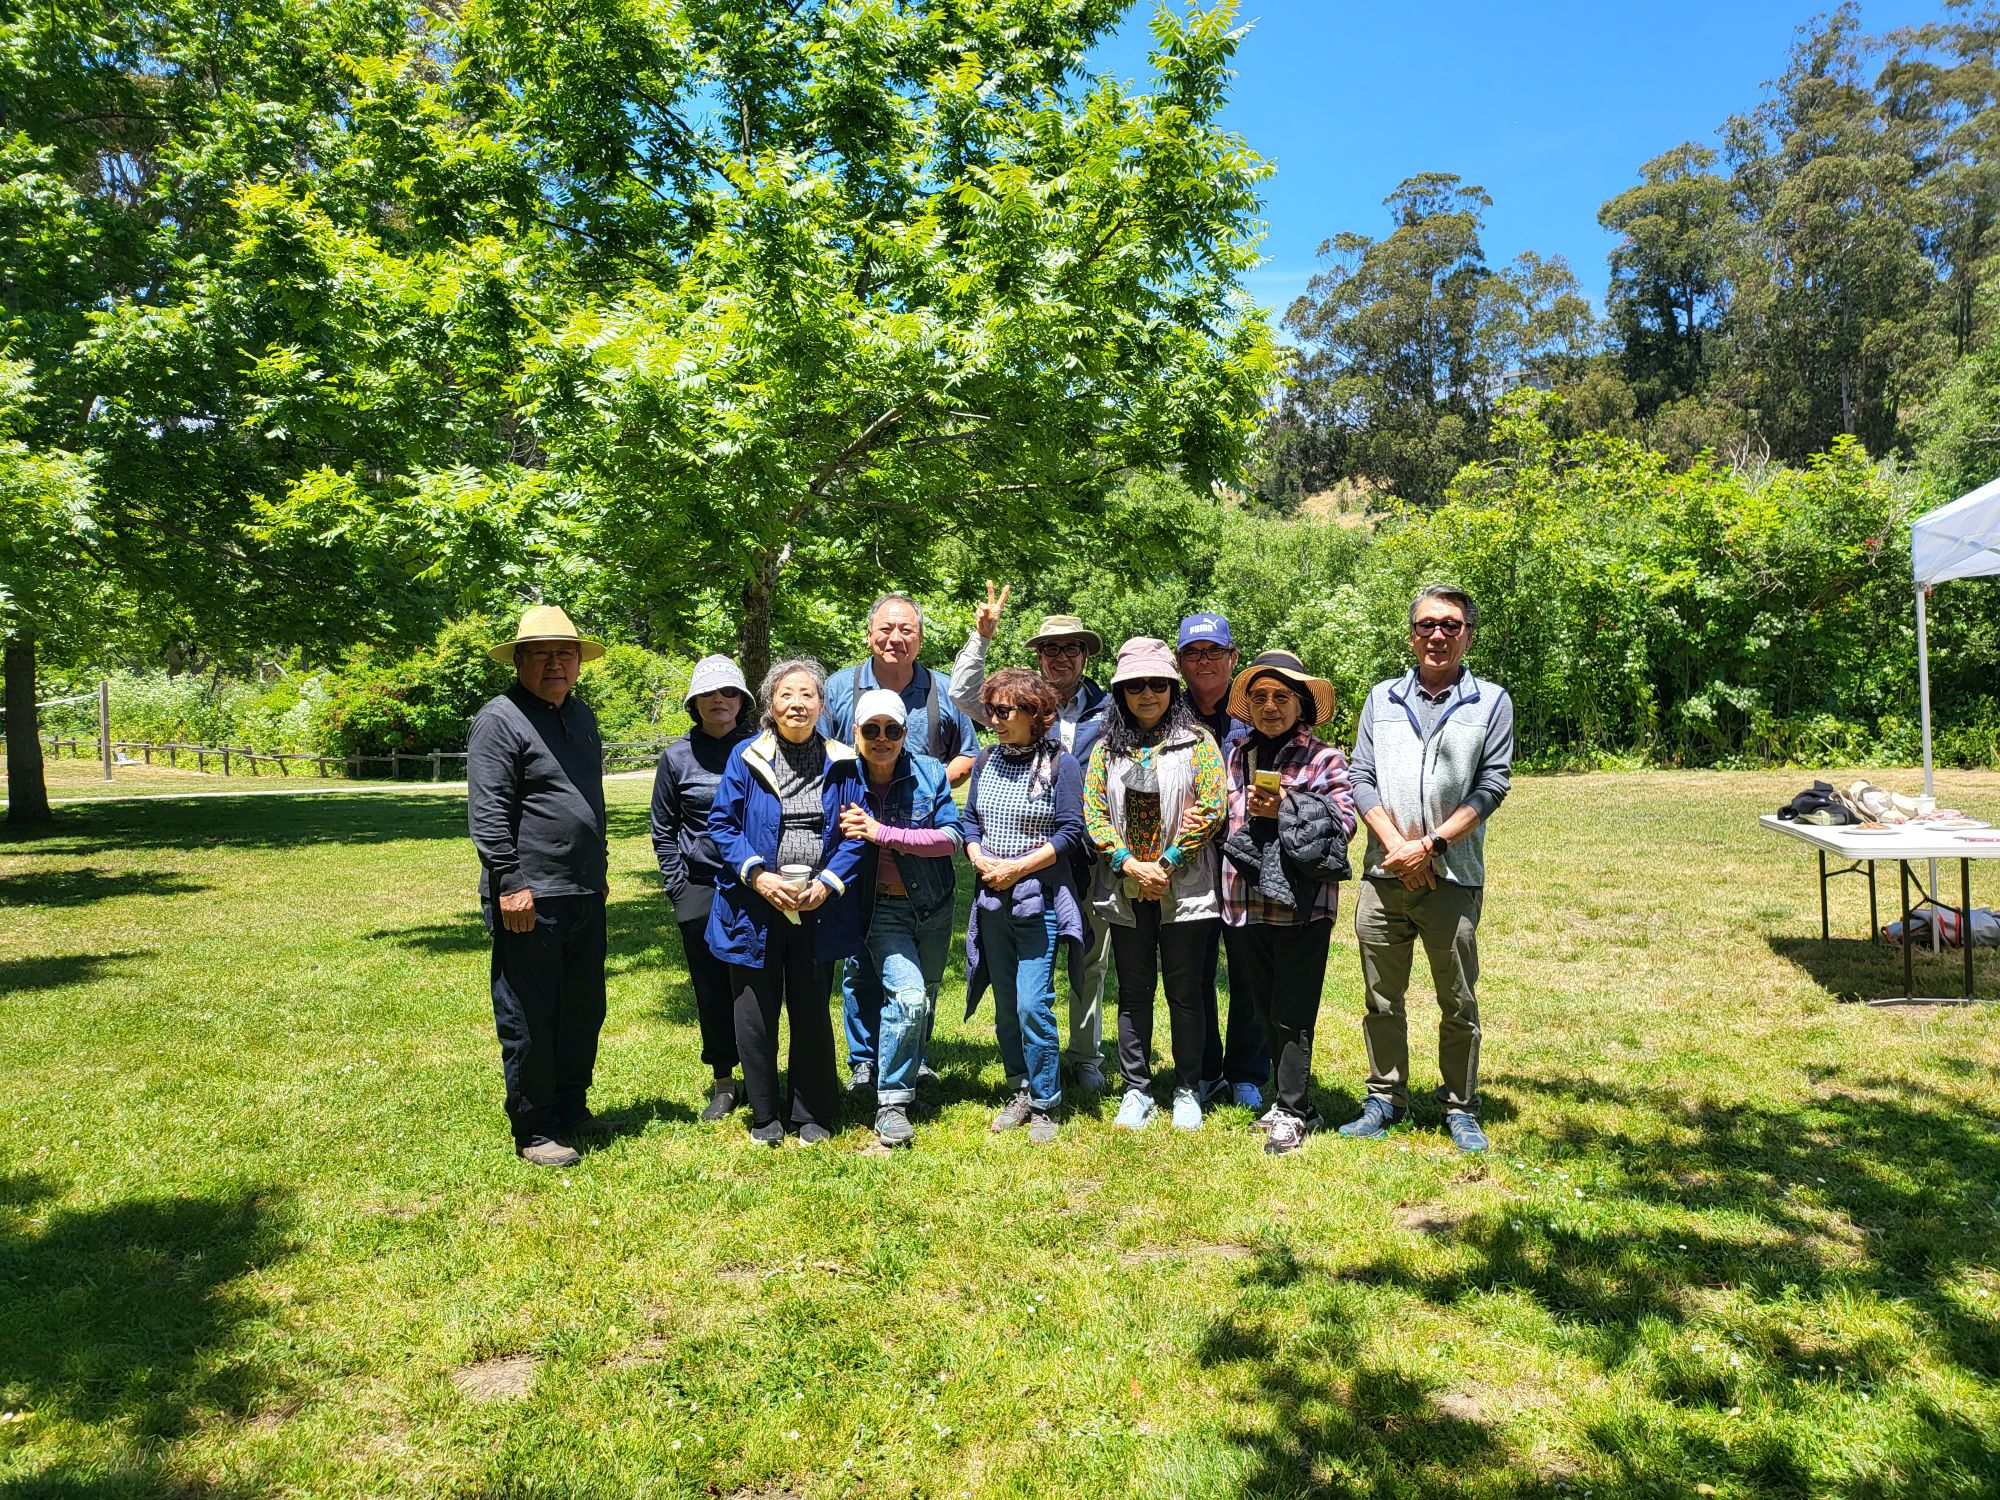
x=907, y=902
x=1152, y=801
x=719, y=702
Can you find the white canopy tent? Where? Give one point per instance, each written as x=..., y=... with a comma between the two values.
x=1959, y=540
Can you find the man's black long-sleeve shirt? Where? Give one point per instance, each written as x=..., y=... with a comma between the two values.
x=535, y=796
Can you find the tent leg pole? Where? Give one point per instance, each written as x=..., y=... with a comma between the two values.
x=1924, y=702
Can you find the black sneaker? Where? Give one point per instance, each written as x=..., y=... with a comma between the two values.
x=770, y=1133
x=586, y=1127
x=862, y=1079
x=812, y=1135
x=721, y=1100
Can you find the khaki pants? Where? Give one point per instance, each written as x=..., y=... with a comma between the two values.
x=1388, y=923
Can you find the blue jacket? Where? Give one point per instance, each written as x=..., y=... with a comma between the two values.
x=744, y=823
x=918, y=796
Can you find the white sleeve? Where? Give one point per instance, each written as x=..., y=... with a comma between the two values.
x=968, y=676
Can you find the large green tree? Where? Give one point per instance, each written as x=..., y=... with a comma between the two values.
x=845, y=280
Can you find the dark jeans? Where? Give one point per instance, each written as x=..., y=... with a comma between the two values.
x=1145, y=954
x=791, y=979
x=1247, y=1056
x=714, y=1000
x=1281, y=968
x=548, y=1006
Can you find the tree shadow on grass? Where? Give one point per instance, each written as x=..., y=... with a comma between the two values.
x=87, y=884
x=1330, y=1424
x=1875, y=1189
x=245, y=823
x=22, y=976
x=122, y=1318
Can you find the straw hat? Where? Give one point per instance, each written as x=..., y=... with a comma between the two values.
x=1066, y=628
x=1292, y=672
x=1145, y=656
x=544, y=622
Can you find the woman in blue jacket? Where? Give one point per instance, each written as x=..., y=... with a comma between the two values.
x=785, y=904
x=718, y=700
x=907, y=893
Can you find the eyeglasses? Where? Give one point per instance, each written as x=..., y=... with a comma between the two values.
x=1002, y=710
x=1205, y=655
x=1149, y=685
x=552, y=653
x=881, y=731
x=1436, y=627
x=1062, y=650
x=1272, y=697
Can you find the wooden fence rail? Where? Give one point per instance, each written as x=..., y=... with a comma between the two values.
x=242, y=760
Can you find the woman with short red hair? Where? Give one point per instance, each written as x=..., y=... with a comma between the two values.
x=1023, y=832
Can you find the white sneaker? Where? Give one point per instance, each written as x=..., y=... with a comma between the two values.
x=1268, y=1118
x=1187, y=1110
x=1136, y=1111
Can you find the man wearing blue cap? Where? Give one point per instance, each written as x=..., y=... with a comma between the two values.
x=1207, y=658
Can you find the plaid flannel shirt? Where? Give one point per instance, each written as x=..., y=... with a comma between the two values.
x=1301, y=761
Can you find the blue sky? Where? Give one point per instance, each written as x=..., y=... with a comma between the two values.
x=1550, y=108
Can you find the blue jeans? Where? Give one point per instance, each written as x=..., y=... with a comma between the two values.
x=889, y=994
x=1020, y=954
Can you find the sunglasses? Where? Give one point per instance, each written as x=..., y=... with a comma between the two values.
x=1068, y=651
x=1436, y=627
x=1149, y=685
x=1206, y=655
x=1003, y=710
x=881, y=731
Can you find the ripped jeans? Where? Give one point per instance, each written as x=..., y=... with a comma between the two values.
x=891, y=993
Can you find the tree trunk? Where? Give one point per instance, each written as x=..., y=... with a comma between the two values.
x=753, y=629
x=27, y=792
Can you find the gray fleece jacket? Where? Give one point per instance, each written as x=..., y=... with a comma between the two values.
x=1422, y=779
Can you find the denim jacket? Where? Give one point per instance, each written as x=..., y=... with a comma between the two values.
x=919, y=796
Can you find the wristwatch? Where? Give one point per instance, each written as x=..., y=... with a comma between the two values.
x=1439, y=844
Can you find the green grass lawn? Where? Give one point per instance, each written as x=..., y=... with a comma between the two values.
x=261, y=1232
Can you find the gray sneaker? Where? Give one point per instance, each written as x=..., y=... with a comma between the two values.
x=862, y=1079
x=1013, y=1114
x=1089, y=1079
x=1187, y=1110
x=546, y=1153
x=1377, y=1115
x=1041, y=1126
x=1465, y=1131
x=892, y=1126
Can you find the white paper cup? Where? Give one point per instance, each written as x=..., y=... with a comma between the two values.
x=798, y=877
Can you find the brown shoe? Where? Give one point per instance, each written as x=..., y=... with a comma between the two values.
x=548, y=1154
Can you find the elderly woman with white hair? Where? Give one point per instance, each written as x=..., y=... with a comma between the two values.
x=786, y=909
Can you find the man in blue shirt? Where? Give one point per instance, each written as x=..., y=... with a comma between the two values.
x=936, y=728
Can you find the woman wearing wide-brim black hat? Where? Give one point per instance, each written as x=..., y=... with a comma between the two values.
x=1288, y=792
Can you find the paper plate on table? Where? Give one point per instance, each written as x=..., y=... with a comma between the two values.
x=1864, y=828
x=1953, y=825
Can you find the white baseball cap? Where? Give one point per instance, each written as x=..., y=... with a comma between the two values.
x=880, y=703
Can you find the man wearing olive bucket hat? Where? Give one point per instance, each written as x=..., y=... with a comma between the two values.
x=534, y=771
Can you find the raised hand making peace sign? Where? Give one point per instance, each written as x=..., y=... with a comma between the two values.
x=987, y=620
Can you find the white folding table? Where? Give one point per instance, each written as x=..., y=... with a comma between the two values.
x=1905, y=844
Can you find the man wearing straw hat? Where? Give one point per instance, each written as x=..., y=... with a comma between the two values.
x=1432, y=761
x=535, y=801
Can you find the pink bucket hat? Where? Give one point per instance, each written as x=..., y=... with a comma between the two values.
x=1145, y=656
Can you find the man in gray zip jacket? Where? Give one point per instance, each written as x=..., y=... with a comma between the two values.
x=1432, y=757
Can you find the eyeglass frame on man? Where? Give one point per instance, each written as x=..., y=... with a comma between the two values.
x=1437, y=627
x=1063, y=650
